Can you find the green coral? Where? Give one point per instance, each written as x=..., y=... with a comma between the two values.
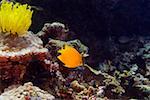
x=126, y=73
x=110, y=80
x=145, y=51
x=144, y=88
x=75, y=43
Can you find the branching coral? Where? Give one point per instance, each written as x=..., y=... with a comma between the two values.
x=110, y=80
x=15, y=18
x=144, y=88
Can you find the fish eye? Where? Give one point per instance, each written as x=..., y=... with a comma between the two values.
x=63, y=47
x=59, y=54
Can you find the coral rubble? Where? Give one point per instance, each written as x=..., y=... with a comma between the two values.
x=26, y=92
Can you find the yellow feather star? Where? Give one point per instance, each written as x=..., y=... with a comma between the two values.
x=15, y=18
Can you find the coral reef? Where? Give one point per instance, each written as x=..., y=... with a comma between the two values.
x=18, y=46
x=124, y=74
x=26, y=92
x=130, y=66
x=124, y=71
x=53, y=30
x=144, y=53
x=16, y=53
x=122, y=63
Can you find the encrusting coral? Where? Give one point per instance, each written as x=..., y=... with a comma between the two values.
x=15, y=18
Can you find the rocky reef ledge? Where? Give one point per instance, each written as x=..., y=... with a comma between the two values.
x=16, y=53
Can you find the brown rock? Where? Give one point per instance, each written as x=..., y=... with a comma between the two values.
x=16, y=53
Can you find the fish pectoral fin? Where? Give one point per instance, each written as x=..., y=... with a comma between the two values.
x=59, y=51
x=59, y=57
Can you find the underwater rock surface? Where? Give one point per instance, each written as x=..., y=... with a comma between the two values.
x=123, y=66
x=26, y=92
x=16, y=54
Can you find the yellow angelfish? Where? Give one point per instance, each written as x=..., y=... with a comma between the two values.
x=70, y=57
x=73, y=59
